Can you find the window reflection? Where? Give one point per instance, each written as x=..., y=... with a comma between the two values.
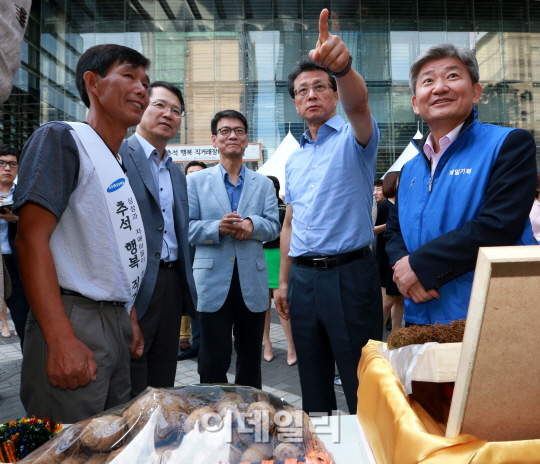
x=237, y=54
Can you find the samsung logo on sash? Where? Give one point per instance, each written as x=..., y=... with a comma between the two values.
x=116, y=185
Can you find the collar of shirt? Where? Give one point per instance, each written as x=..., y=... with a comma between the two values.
x=149, y=150
x=8, y=196
x=444, y=143
x=225, y=174
x=335, y=123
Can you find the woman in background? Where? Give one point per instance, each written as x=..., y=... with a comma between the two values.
x=271, y=252
x=392, y=298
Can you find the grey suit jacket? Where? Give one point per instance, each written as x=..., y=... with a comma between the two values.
x=215, y=255
x=145, y=190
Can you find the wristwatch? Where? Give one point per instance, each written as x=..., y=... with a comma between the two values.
x=345, y=71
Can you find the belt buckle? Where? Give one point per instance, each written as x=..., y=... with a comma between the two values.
x=168, y=264
x=324, y=262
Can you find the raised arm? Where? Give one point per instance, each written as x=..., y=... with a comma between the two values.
x=331, y=52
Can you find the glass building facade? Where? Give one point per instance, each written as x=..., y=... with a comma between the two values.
x=237, y=54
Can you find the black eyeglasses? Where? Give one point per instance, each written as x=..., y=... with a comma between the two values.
x=225, y=131
x=12, y=164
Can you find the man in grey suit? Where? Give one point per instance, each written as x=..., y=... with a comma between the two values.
x=167, y=289
x=232, y=211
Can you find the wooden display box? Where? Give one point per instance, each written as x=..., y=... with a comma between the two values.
x=497, y=368
x=497, y=390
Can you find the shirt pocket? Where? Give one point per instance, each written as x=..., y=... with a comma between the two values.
x=203, y=263
x=261, y=264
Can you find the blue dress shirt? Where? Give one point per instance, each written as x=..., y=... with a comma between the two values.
x=162, y=179
x=233, y=191
x=6, y=249
x=329, y=183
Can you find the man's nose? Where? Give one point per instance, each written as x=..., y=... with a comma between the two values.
x=140, y=89
x=440, y=86
x=311, y=93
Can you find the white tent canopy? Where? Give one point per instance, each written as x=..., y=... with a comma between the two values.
x=409, y=153
x=275, y=165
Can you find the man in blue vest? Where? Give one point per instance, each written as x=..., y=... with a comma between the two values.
x=471, y=185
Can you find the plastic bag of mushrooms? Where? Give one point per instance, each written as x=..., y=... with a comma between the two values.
x=190, y=425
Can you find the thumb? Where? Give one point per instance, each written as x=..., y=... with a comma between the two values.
x=314, y=54
x=434, y=293
x=91, y=366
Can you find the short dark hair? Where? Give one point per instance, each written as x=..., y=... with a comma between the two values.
x=9, y=150
x=227, y=114
x=171, y=88
x=275, y=180
x=304, y=65
x=100, y=58
x=377, y=182
x=195, y=163
x=277, y=186
x=389, y=186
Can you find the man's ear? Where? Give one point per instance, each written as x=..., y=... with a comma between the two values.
x=91, y=82
x=214, y=144
x=477, y=92
x=414, y=105
x=294, y=103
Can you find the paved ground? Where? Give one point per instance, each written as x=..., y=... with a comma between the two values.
x=278, y=377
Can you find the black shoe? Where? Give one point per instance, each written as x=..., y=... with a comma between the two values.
x=188, y=354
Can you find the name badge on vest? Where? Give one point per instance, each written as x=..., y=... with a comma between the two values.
x=123, y=209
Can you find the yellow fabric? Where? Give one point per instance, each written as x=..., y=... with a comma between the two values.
x=185, y=327
x=400, y=431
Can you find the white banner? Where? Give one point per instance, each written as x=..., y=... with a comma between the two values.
x=186, y=153
x=122, y=205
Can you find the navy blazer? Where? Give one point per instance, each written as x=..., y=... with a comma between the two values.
x=145, y=190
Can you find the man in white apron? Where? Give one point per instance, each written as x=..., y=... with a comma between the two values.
x=81, y=245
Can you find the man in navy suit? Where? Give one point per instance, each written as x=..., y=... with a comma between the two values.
x=167, y=290
x=232, y=211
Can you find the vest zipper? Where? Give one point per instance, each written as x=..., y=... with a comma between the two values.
x=430, y=183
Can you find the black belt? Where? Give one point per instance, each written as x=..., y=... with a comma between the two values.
x=63, y=291
x=167, y=264
x=324, y=262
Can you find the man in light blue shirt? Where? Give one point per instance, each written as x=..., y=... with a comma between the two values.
x=328, y=283
x=167, y=290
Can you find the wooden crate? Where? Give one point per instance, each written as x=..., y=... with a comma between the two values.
x=497, y=390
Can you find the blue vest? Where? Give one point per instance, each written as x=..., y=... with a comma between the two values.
x=429, y=208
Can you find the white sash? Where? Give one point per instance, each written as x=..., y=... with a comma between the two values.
x=123, y=209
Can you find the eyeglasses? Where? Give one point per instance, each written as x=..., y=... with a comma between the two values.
x=226, y=131
x=12, y=164
x=175, y=110
x=318, y=88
